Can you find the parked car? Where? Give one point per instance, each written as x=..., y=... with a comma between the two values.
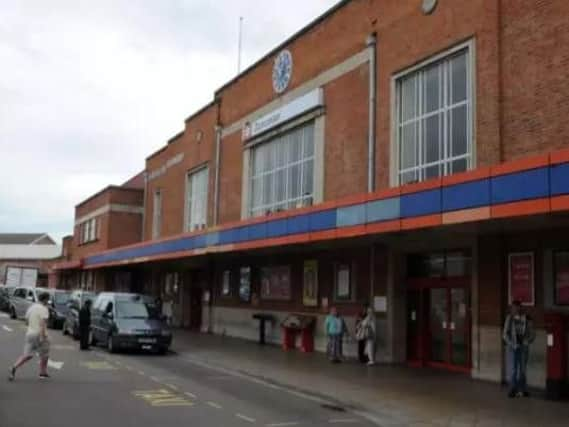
x=76, y=301
x=58, y=307
x=21, y=300
x=122, y=321
x=5, y=294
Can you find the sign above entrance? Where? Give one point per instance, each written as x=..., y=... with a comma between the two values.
x=293, y=109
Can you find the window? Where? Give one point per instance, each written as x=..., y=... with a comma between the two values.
x=196, y=200
x=88, y=231
x=157, y=215
x=282, y=172
x=434, y=119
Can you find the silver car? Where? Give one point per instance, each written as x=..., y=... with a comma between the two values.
x=21, y=300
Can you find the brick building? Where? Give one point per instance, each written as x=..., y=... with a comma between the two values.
x=389, y=153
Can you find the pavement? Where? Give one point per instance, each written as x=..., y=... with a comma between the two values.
x=389, y=396
x=95, y=388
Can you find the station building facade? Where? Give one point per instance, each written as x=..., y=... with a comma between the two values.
x=408, y=155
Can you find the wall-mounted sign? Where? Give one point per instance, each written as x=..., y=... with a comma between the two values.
x=162, y=169
x=245, y=284
x=275, y=283
x=282, y=71
x=226, y=283
x=561, y=271
x=521, y=277
x=310, y=284
x=380, y=304
x=281, y=115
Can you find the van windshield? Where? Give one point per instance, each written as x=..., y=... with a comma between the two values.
x=132, y=310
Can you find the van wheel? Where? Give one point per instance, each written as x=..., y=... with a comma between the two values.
x=13, y=313
x=110, y=344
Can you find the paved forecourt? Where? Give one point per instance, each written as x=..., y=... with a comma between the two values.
x=96, y=388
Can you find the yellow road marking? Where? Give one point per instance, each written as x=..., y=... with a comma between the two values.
x=162, y=398
x=172, y=386
x=99, y=366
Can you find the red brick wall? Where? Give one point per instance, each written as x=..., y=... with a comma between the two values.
x=346, y=144
x=535, y=67
x=173, y=182
x=230, y=178
x=124, y=229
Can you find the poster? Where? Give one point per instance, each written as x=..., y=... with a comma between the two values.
x=521, y=278
x=343, y=285
x=380, y=304
x=275, y=283
x=226, y=284
x=562, y=278
x=245, y=284
x=310, y=284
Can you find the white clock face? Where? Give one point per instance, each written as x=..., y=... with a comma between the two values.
x=282, y=71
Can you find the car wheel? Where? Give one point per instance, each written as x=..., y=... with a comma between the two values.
x=13, y=313
x=162, y=351
x=64, y=328
x=111, y=344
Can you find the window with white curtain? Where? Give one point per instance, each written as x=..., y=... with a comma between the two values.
x=434, y=119
x=196, y=199
x=282, y=172
x=157, y=215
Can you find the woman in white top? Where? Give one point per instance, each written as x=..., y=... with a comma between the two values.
x=369, y=332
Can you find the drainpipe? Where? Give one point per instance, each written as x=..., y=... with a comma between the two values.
x=216, y=184
x=144, y=206
x=371, y=43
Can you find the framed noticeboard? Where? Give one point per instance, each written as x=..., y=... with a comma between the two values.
x=245, y=284
x=561, y=277
x=275, y=283
x=343, y=289
x=310, y=284
x=226, y=283
x=521, y=278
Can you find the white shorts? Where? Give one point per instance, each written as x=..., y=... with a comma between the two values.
x=35, y=345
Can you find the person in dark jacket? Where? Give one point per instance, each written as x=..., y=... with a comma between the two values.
x=85, y=325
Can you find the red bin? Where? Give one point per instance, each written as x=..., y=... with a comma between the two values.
x=556, y=356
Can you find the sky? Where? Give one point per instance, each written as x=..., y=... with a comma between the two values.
x=89, y=89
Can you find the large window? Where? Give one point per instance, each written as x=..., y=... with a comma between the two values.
x=157, y=214
x=196, y=200
x=88, y=231
x=434, y=119
x=282, y=172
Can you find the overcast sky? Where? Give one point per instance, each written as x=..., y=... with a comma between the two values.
x=88, y=89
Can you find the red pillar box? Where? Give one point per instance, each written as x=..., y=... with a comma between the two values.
x=289, y=335
x=556, y=356
x=307, y=340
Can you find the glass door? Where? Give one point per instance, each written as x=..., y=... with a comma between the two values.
x=459, y=327
x=438, y=322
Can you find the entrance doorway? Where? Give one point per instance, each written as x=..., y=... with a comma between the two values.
x=438, y=312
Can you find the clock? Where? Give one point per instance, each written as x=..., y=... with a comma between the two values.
x=429, y=6
x=282, y=71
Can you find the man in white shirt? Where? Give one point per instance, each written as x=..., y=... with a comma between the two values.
x=37, y=340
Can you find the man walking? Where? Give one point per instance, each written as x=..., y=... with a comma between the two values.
x=518, y=335
x=85, y=325
x=36, y=340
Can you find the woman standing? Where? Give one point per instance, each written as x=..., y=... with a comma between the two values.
x=369, y=332
x=333, y=327
x=360, y=335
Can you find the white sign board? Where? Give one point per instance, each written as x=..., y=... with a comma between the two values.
x=21, y=276
x=293, y=109
x=29, y=277
x=380, y=304
x=13, y=276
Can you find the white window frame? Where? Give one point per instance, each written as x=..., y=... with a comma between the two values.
x=157, y=214
x=470, y=48
x=189, y=214
x=303, y=199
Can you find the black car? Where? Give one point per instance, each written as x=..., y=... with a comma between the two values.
x=58, y=306
x=76, y=301
x=123, y=321
x=5, y=294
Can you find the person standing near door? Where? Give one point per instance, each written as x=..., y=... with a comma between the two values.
x=518, y=335
x=333, y=327
x=360, y=335
x=37, y=340
x=85, y=325
x=368, y=327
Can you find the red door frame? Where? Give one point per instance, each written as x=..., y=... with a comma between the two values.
x=422, y=285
